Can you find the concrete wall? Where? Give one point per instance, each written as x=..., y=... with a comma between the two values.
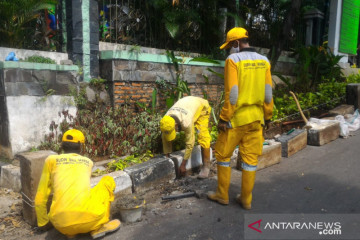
x=30, y=118
x=22, y=54
x=26, y=108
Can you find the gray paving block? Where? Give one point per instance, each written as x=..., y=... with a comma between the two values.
x=293, y=142
x=321, y=136
x=31, y=166
x=10, y=177
x=353, y=94
x=146, y=175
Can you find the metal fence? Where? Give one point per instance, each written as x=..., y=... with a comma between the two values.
x=188, y=25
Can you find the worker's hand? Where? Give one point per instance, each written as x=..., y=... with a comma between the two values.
x=182, y=168
x=267, y=124
x=222, y=125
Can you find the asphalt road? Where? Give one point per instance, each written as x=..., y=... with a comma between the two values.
x=317, y=180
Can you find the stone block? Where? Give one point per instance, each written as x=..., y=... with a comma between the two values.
x=353, y=94
x=271, y=155
x=197, y=70
x=342, y=110
x=293, y=142
x=324, y=135
x=193, y=163
x=43, y=76
x=126, y=75
x=146, y=175
x=10, y=177
x=31, y=165
x=122, y=180
x=12, y=75
x=66, y=62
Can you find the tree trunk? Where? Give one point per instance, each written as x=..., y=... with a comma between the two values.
x=284, y=35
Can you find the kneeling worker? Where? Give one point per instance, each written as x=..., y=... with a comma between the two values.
x=187, y=114
x=76, y=207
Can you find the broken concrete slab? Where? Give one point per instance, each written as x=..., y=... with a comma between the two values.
x=146, y=175
x=31, y=166
x=10, y=177
x=293, y=142
x=271, y=155
x=122, y=180
x=342, y=110
x=324, y=135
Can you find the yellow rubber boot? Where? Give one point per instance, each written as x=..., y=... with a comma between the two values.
x=247, y=185
x=222, y=192
x=110, y=226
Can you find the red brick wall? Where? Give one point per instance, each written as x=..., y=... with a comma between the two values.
x=128, y=93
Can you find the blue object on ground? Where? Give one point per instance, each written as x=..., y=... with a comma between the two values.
x=11, y=57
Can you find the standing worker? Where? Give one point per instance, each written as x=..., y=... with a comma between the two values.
x=248, y=105
x=76, y=207
x=186, y=114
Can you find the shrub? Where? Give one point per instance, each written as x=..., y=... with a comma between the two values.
x=108, y=131
x=39, y=59
x=329, y=94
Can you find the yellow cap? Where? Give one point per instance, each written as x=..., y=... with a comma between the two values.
x=167, y=127
x=73, y=135
x=234, y=34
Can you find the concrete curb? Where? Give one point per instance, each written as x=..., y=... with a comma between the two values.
x=154, y=171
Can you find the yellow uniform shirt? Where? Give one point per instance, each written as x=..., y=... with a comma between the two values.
x=248, y=88
x=74, y=202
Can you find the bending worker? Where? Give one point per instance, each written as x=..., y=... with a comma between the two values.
x=187, y=114
x=76, y=207
x=248, y=105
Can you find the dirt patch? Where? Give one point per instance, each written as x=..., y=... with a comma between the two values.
x=12, y=225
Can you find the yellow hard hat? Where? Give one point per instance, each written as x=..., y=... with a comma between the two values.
x=73, y=135
x=167, y=127
x=234, y=34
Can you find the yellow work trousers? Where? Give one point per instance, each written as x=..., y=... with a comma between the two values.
x=250, y=140
x=101, y=197
x=202, y=126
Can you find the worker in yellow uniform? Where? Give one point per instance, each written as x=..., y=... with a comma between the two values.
x=188, y=114
x=75, y=207
x=248, y=106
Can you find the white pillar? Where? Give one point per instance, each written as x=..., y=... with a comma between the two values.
x=334, y=29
